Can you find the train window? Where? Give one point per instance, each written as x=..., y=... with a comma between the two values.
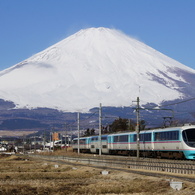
x=104, y=137
x=82, y=141
x=116, y=138
x=134, y=137
x=189, y=137
x=74, y=141
x=145, y=137
x=175, y=135
x=94, y=138
x=167, y=135
x=157, y=136
x=104, y=146
x=121, y=138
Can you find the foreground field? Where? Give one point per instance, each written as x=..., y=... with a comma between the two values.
x=23, y=175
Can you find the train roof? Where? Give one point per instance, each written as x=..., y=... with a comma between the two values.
x=183, y=127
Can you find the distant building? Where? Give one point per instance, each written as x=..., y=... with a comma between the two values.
x=55, y=136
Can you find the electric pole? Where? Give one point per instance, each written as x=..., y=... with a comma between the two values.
x=35, y=143
x=53, y=138
x=65, y=140
x=137, y=126
x=100, y=129
x=23, y=143
x=44, y=140
x=50, y=140
x=78, y=125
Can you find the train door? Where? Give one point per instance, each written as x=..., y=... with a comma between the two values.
x=93, y=144
x=152, y=141
x=104, y=142
x=110, y=144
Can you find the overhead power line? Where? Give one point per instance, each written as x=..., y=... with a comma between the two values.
x=178, y=102
x=81, y=120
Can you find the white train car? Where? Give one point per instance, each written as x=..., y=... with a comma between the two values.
x=95, y=143
x=119, y=143
x=173, y=142
x=83, y=144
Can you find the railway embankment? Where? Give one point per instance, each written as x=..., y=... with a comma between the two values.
x=170, y=166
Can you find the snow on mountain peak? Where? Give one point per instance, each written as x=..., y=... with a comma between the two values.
x=92, y=66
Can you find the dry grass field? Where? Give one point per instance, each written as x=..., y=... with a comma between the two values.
x=23, y=175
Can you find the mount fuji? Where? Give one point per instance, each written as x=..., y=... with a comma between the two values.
x=92, y=66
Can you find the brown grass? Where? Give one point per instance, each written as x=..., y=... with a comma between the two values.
x=20, y=175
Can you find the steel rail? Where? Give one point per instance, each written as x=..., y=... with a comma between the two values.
x=140, y=172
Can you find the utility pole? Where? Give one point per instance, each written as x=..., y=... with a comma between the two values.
x=78, y=125
x=100, y=130
x=44, y=140
x=65, y=140
x=53, y=138
x=71, y=135
x=23, y=143
x=61, y=138
x=50, y=140
x=35, y=143
x=137, y=127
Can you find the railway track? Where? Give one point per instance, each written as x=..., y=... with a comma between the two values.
x=139, y=172
x=175, y=170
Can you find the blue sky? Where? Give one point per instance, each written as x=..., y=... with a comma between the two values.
x=30, y=26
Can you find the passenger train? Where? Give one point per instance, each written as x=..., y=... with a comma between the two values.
x=172, y=143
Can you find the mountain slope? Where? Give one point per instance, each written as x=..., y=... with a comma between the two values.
x=92, y=66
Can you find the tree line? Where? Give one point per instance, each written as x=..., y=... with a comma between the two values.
x=118, y=125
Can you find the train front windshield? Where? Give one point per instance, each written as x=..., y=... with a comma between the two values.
x=189, y=137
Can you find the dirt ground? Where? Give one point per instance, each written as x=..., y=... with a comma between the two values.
x=24, y=175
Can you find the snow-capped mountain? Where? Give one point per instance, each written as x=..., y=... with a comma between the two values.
x=96, y=65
